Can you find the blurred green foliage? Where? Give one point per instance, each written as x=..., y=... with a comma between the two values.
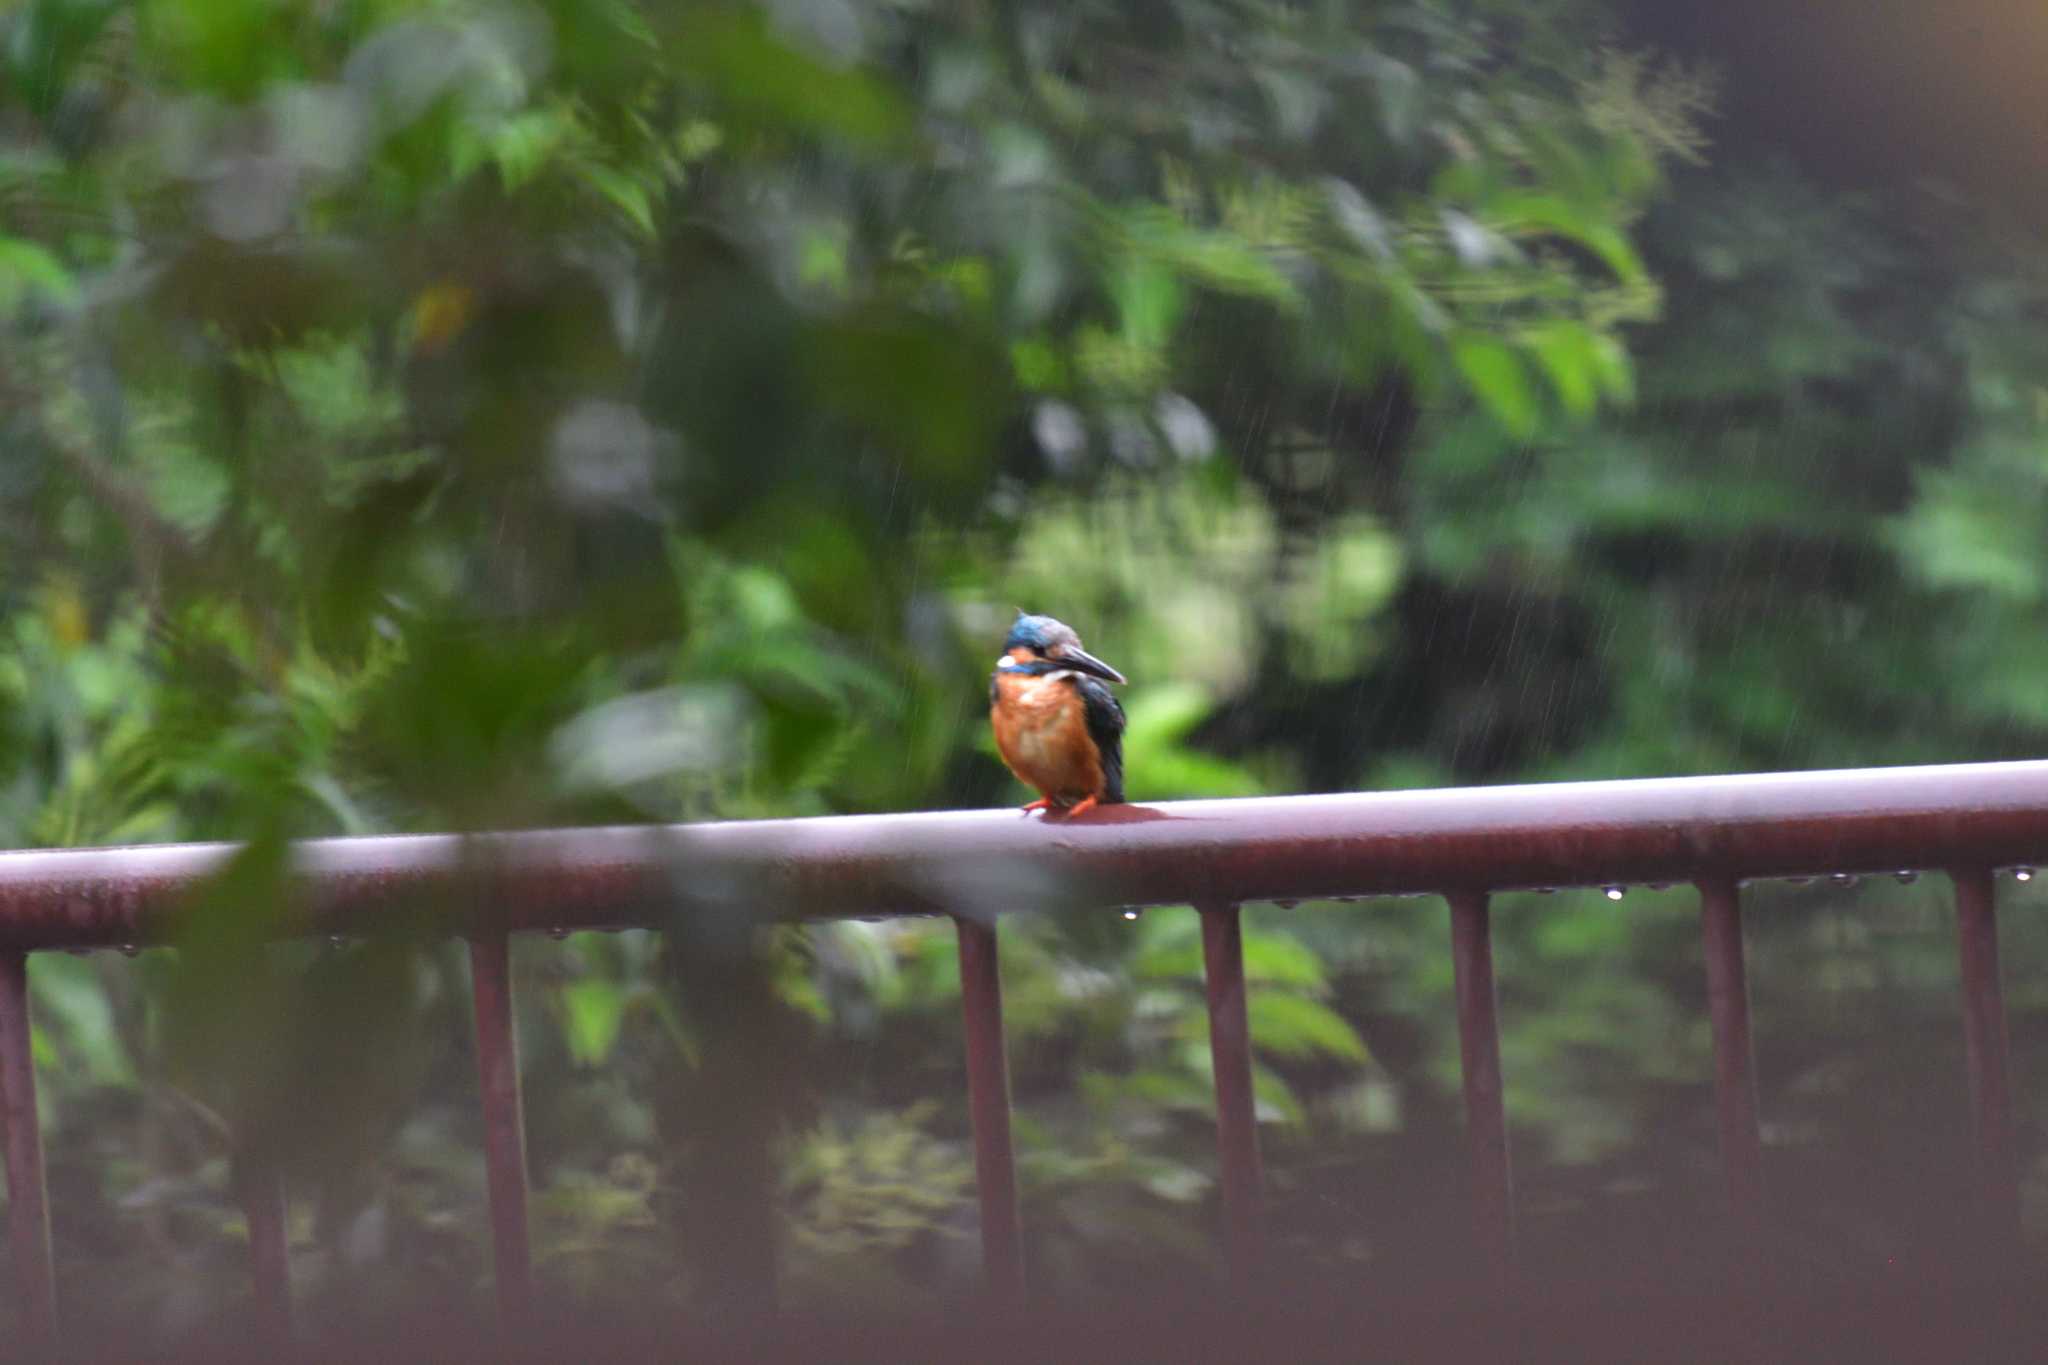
x=422, y=414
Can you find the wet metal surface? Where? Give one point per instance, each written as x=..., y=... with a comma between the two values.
x=1230, y=1050
x=497, y=1064
x=260, y=1190
x=28, y=1220
x=1486, y=1129
x=1734, y=1066
x=988, y=1105
x=1985, y=1048
x=1459, y=843
x=1494, y=838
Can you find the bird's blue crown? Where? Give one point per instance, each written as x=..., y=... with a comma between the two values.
x=1033, y=632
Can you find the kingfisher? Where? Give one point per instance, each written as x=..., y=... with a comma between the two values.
x=1057, y=726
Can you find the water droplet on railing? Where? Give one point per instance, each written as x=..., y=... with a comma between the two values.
x=1798, y=881
x=1546, y=891
x=1906, y=877
x=558, y=933
x=1843, y=878
x=1614, y=893
x=2023, y=874
x=1131, y=914
x=337, y=941
x=130, y=950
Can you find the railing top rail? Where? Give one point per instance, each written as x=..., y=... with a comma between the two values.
x=1293, y=847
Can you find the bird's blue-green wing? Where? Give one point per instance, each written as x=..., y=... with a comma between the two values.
x=1105, y=717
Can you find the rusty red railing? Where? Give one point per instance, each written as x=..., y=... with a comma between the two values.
x=1715, y=832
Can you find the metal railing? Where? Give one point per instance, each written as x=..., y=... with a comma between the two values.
x=1714, y=832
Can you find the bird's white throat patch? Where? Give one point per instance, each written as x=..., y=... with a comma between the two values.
x=1006, y=664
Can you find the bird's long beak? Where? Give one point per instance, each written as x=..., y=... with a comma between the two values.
x=1085, y=662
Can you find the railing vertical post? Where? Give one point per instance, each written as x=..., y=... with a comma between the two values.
x=1230, y=1052
x=497, y=1062
x=1734, y=1053
x=259, y=1188
x=28, y=1217
x=988, y=1105
x=1486, y=1130
x=1985, y=1047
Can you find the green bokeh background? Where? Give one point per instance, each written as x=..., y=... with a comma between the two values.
x=431, y=415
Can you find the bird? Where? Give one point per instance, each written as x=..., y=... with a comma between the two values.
x=1058, y=727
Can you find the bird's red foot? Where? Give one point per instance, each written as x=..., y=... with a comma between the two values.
x=1081, y=807
x=1042, y=803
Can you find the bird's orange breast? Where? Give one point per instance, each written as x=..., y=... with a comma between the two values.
x=1041, y=727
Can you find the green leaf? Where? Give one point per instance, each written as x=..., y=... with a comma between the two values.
x=1270, y=959
x=72, y=1002
x=46, y=40
x=28, y=268
x=1569, y=353
x=1496, y=375
x=1611, y=367
x=1274, y=1099
x=1526, y=212
x=1967, y=530
x=1399, y=89
x=227, y=46
x=523, y=144
x=1355, y=216
x=1159, y=763
x=592, y=1011
x=1281, y=960
x=1296, y=1026
x=762, y=79
x=1163, y=715
x=1178, y=1088
x=623, y=192
x=1147, y=300
x=1216, y=259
